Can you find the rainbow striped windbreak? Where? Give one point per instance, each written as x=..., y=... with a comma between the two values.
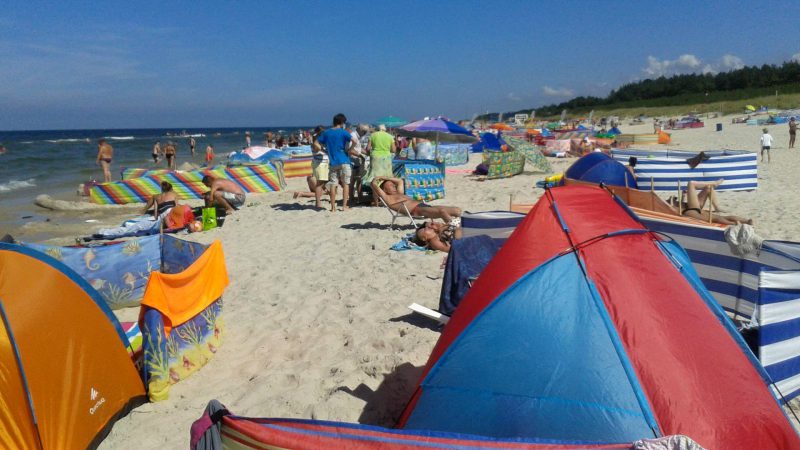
x=188, y=185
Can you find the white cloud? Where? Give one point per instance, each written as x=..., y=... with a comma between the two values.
x=665, y=67
x=557, y=92
x=796, y=57
x=731, y=62
x=514, y=97
x=688, y=63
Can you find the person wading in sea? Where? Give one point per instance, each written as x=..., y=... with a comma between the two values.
x=105, y=153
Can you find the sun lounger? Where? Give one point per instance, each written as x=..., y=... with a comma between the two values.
x=404, y=212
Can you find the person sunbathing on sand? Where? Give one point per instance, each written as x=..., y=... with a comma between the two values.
x=437, y=236
x=163, y=202
x=312, y=186
x=695, y=201
x=391, y=190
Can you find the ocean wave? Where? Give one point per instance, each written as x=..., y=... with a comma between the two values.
x=14, y=185
x=59, y=141
x=120, y=138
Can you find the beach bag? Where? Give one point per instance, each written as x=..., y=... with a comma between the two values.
x=209, y=218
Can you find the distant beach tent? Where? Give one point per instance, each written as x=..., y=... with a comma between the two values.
x=750, y=108
x=547, y=343
x=597, y=167
x=501, y=127
x=391, y=122
x=65, y=372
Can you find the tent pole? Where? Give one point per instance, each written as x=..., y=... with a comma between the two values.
x=436, y=152
x=652, y=194
x=710, y=212
x=680, y=199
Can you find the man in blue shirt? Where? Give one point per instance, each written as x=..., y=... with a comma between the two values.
x=339, y=144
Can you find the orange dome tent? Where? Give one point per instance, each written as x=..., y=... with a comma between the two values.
x=65, y=372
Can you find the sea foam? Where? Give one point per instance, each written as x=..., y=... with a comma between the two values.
x=14, y=185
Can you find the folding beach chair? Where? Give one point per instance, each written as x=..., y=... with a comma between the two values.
x=404, y=212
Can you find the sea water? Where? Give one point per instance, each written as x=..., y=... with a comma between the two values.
x=56, y=162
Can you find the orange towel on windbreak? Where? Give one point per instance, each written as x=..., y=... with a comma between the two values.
x=181, y=296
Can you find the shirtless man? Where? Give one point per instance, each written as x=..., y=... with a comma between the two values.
x=157, y=152
x=224, y=193
x=105, y=153
x=391, y=190
x=192, y=144
x=695, y=201
x=169, y=153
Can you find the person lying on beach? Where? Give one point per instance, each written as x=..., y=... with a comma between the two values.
x=163, y=202
x=224, y=193
x=391, y=190
x=312, y=186
x=437, y=236
x=695, y=201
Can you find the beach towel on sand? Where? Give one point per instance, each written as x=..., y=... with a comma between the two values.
x=407, y=243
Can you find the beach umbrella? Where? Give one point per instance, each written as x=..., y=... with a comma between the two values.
x=391, y=122
x=438, y=130
x=501, y=127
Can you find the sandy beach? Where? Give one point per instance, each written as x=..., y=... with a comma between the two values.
x=316, y=312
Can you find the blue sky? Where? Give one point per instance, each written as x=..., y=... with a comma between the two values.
x=262, y=63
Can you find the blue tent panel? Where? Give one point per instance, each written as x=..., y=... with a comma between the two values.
x=597, y=167
x=566, y=381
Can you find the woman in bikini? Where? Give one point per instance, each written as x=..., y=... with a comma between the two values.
x=104, y=155
x=163, y=202
x=696, y=200
x=391, y=190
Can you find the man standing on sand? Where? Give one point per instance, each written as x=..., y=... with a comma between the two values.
x=192, y=144
x=792, y=131
x=339, y=144
x=104, y=155
x=223, y=193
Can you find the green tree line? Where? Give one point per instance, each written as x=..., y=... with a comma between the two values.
x=685, y=89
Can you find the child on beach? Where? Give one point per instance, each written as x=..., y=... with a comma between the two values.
x=766, y=143
x=209, y=154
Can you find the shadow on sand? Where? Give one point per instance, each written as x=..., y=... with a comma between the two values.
x=419, y=321
x=369, y=226
x=296, y=207
x=385, y=404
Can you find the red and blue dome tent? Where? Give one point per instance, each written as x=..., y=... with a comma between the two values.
x=585, y=326
x=585, y=330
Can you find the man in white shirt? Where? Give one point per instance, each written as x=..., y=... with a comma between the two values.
x=766, y=143
x=357, y=161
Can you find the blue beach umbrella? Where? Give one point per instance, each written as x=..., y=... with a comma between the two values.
x=391, y=122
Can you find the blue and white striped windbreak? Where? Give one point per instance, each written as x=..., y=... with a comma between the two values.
x=665, y=168
x=778, y=339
